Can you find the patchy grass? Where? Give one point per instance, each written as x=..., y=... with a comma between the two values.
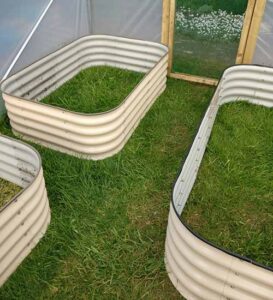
x=109, y=218
x=7, y=191
x=231, y=203
x=95, y=90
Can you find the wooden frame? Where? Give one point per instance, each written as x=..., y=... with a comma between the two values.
x=253, y=18
x=245, y=31
x=253, y=31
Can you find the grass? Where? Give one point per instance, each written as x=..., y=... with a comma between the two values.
x=95, y=90
x=232, y=201
x=234, y=6
x=109, y=218
x=7, y=191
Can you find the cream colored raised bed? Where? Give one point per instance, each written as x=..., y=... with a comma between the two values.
x=198, y=269
x=92, y=136
x=23, y=220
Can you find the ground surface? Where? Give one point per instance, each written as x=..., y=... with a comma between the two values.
x=109, y=218
x=7, y=191
x=95, y=90
x=232, y=201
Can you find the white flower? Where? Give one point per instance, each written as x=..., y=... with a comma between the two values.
x=215, y=25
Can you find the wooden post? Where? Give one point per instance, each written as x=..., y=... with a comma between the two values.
x=171, y=33
x=165, y=22
x=245, y=31
x=254, y=31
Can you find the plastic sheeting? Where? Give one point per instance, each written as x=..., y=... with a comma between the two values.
x=264, y=49
x=131, y=19
x=16, y=21
x=65, y=21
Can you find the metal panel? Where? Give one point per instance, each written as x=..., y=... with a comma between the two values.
x=24, y=220
x=198, y=269
x=90, y=136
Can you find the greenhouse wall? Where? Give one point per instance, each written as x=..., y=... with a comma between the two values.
x=264, y=51
x=63, y=24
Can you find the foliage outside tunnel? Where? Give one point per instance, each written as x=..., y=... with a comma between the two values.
x=207, y=36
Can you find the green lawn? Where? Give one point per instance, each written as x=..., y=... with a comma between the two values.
x=202, y=58
x=7, y=191
x=95, y=90
x=209, y=54
x=232, y=201
x=109, y=218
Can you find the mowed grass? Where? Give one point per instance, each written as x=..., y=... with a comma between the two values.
x=231, y=203
x=7, y=191
x=109, y=218
x=95, y=90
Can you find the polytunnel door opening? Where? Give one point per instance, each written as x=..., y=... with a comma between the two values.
x=207, y=36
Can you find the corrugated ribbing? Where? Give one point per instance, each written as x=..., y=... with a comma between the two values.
x=198, y=269
x=24, y=220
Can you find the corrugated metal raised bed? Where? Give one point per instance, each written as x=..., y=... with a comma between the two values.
x=24, y=219
x=91, y=136
x=198, y=269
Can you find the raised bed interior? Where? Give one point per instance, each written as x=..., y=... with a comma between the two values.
x=237, y=165
x=90, y=136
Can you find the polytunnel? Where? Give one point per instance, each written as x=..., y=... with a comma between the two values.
x=44, y=44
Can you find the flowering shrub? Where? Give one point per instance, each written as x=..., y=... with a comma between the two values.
x=212, y=25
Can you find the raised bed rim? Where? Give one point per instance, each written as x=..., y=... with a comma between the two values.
x=164, y=47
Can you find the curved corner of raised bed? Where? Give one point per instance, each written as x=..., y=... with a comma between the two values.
x=197, y=268
x=23, y=220
x=91, y=136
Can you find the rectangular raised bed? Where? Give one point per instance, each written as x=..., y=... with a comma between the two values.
x=91, y=136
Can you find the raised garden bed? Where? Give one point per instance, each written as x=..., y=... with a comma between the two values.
x=90, y=136
x=197, y=268
x=25, y=215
